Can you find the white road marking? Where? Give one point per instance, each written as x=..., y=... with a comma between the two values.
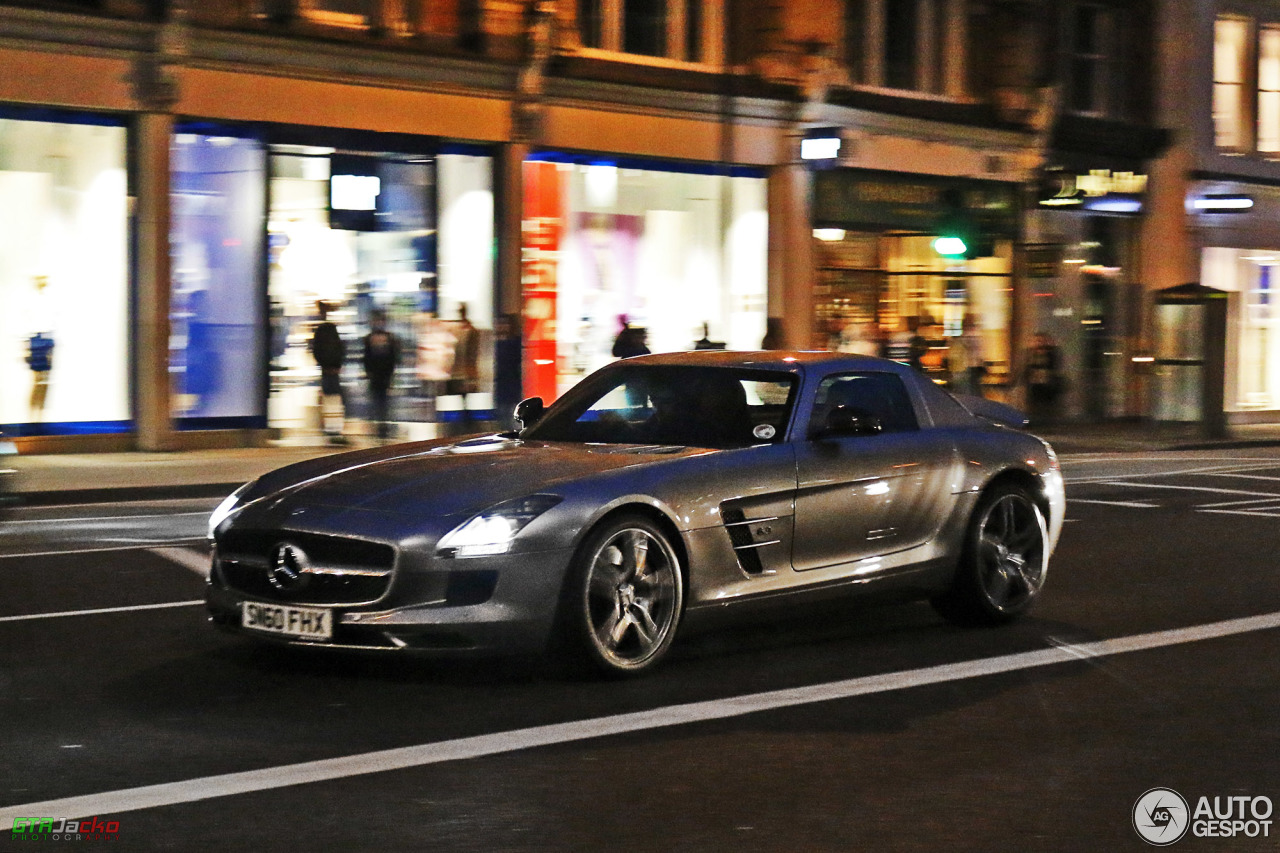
x=1260, y=512
x=185, y=557
x=250, y=781
x=1135, y=504
x=1246, y=476
x=146, y=546
x=78, y=519
x=1177, y=472
x=95, y=611
x=23, y=508
x=1162, y=456
x=1189, y=488
x=1240, y=503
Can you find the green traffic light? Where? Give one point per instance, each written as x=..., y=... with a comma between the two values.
x=950, y=247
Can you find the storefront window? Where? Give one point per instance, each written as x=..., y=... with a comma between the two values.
x=1253, y=336
x=680, y=257
x=405, y=237
x=217, y=338
x=893, y=294
x=64, y=284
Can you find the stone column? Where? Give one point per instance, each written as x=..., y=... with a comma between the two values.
x=791, y=253
x=155, y=90
x=508, y=213
x=151, y=221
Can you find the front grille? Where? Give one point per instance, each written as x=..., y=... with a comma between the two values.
x=338, y=570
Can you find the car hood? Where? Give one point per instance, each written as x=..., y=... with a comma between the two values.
x=443, y=478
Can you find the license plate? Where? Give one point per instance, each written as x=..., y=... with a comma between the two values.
x=309, y=623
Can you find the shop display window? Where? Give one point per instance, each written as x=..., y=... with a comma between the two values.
x=267, y=234
x=679, y=257
x=217, y=337
x=891, y=294
x=404, y=236
x=64, y=280
x=1252, y=277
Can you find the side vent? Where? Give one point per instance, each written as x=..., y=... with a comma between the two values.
x=748, y=536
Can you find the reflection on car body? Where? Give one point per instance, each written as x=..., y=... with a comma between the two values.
x=659, y=490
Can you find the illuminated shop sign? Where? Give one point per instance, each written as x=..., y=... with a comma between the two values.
x=851, y=198
x=354, y=191
x=1222, y=204
x=821, y=146
x=1099, y=190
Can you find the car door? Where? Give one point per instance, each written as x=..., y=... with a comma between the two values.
x=872, y=493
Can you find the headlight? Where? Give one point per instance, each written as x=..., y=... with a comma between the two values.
x=228, y=506
x=492, y=531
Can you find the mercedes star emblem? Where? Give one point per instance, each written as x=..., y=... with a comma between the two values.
x=289, y=567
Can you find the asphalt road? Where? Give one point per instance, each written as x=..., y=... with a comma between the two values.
x=1149, y=663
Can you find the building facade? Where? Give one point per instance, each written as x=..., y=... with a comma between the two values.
x=184, y=185
x=1219, y=203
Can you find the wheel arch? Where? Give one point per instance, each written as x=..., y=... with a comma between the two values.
x=1018, y=477
x=651, y=513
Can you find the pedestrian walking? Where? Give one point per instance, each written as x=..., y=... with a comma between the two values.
x=1044, y=380
x=772, y=334
x=330, y=353
x=380, y=358
x=968, y=364
x=631, y=340
x=433, y=362
x=464, y=377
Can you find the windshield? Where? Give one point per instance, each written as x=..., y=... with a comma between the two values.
x=659, y=404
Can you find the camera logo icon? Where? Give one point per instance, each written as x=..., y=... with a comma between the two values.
x=1161, y=816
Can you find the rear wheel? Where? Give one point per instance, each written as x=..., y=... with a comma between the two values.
x=1004, y=562
x=623, y=597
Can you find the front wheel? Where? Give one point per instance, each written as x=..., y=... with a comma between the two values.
x=1004, y=562
x=623, y=597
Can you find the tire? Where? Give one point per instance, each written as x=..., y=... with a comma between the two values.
x=623, y=598
x=1004, y=562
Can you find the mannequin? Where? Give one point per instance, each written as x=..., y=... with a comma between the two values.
x=40, y=353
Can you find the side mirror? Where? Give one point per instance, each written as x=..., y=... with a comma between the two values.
x=846, y=421
x=529, y=411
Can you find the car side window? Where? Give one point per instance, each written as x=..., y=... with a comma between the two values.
x=677, y=405
x=879, y=395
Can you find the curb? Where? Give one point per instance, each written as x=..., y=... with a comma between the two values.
x=1065, y=445
x=63, y=497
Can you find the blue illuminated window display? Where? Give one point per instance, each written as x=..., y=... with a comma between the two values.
x=218, y=340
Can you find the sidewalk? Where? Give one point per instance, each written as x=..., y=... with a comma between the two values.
x=62, y=478
x=99, y=477
x=1146, y=436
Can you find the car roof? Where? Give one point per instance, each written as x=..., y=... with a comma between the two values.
x=821, y=361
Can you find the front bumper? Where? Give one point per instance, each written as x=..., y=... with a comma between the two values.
x=508, y=606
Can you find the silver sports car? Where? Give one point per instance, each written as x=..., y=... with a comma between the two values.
x=658, y=491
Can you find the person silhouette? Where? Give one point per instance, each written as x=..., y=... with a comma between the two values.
x=380, y=357
x=330, y=353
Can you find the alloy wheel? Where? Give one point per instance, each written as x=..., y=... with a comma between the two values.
x=632, y=597
x=1011, y=552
